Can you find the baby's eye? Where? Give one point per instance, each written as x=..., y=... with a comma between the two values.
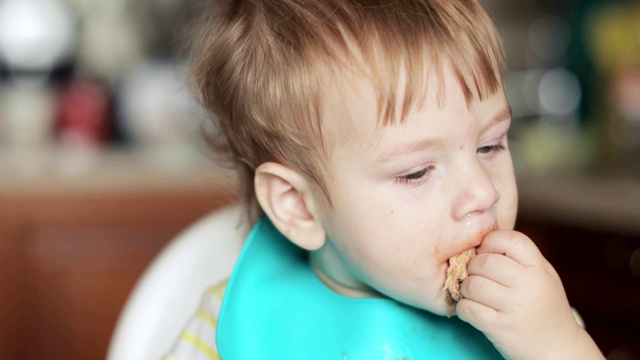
x=415, y=177
x=490, y=148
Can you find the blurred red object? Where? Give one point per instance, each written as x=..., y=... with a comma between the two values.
x=85, y=112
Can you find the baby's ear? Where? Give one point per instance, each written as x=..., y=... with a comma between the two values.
x=287, y=198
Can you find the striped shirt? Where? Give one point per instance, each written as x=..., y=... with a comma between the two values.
x=198, y=340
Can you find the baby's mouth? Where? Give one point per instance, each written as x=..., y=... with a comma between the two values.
x=456, y=272
x=456, y=268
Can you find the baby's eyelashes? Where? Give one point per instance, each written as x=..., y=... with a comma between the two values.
x=415, y=177
x=490, y=148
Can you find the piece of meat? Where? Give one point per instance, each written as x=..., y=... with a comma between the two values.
x=457, y=272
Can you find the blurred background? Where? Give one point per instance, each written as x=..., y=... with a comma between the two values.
x=101, y=162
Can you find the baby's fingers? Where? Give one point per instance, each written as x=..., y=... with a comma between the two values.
x=512, y=244
x=480, y=316
x=484, y=291
x=499, y=268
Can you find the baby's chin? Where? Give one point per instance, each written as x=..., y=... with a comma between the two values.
x=443, y=305
x=451, y=305
x=448, y=309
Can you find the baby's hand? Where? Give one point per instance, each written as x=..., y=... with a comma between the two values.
x=515, y=297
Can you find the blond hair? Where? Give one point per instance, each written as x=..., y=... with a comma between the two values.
x=258, y=66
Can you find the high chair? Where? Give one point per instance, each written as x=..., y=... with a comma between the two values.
x=170, y=290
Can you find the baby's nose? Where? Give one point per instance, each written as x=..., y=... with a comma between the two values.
x=476, y=193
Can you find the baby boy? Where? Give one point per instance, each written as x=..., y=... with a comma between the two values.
x=373, y=135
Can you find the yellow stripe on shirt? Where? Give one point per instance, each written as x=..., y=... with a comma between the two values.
x=200, y=345
x=207, y=317
x=218, y=290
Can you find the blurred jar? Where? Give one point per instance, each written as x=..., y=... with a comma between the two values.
x=84, y=113
x=155, y=106
x=35, y=36
x=27, y=115
x=624, y=123
x=110, y=42
x=615, y=47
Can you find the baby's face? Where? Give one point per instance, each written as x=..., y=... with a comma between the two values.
x=409, y=196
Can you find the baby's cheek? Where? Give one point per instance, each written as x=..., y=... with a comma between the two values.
x=507, y=214
x=400, y=267
x=510, y=220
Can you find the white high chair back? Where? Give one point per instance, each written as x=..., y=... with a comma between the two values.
x=170, y=290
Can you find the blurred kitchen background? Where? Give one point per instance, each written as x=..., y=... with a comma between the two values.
x=82, y=79
x=101, y=162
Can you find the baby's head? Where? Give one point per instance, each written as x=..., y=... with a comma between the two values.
x=372, y=133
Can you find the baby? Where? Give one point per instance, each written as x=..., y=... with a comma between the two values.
x=373, y=136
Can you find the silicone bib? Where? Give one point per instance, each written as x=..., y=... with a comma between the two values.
x=275, y=307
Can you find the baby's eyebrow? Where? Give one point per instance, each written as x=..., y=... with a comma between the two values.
x=502, y=115
x=406, y=148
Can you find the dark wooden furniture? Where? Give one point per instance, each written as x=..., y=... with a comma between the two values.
x=72, y=248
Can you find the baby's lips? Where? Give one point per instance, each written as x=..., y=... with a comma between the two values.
x=457, y=271
x=483, y=234
x=457, y=264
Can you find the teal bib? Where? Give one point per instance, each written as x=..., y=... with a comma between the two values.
x=275, y=307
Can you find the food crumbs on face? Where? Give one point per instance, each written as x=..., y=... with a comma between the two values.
x=457, y=272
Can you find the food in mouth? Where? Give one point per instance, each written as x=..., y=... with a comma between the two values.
x=457, y=272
